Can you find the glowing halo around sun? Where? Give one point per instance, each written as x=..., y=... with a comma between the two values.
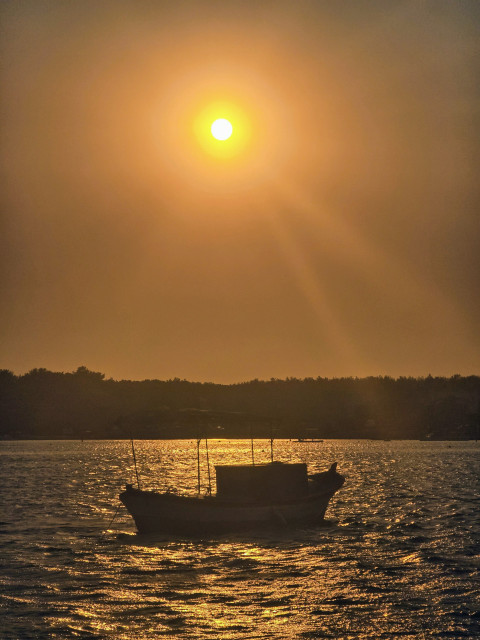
x=221, y=129
x=219, y=135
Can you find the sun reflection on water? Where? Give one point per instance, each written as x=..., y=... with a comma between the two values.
x=390, y=565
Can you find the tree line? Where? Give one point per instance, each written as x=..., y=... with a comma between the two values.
x=83, y=404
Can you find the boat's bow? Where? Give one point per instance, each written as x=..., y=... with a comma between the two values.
x=327, y=481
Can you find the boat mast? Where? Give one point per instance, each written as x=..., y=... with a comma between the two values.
x=135, y=463
x=198, y=464
x=208, y=469
x=271, y=444
x=251, y=446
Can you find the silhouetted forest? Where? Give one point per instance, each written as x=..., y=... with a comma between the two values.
x=83, y=404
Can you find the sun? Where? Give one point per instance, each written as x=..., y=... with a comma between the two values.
x=221, y=129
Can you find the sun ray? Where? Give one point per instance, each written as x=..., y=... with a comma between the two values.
x=380, y=268
x=333, y=329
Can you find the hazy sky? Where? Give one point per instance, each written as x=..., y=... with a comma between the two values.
x=340, y=238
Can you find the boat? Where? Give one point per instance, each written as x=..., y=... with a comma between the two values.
x=248, y=497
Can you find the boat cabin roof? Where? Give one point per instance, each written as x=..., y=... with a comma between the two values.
x=273, y=481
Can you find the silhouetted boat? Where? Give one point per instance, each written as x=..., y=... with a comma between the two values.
x=248, y=497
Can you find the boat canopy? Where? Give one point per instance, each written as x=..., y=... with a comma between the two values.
x=273, y=481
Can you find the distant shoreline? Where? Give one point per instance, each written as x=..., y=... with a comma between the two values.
x=42, y=405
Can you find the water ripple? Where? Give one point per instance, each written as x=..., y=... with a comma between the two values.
x=400, y=557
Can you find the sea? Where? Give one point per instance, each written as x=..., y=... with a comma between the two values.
x=398, y=557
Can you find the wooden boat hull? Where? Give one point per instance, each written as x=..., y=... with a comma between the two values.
x=168, y=513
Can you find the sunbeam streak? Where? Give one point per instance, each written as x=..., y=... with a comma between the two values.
x=410, y=298
x=332, y=328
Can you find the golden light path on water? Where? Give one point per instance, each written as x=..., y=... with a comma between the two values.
x=400, y=555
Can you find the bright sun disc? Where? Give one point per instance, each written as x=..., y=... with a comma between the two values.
x=221, y=129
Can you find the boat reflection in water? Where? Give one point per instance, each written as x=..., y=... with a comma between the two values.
x=248, y=497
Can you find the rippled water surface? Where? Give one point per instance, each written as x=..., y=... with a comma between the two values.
x=401, y=557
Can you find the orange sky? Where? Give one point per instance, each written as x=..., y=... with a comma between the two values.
x=338, y=238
